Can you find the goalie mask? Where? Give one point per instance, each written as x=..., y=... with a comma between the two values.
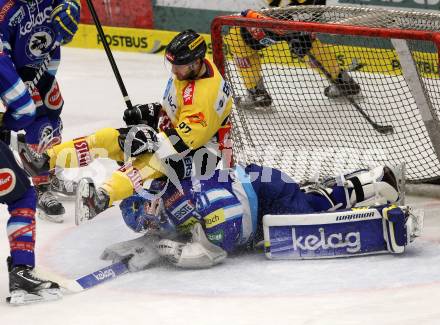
x=143, y=215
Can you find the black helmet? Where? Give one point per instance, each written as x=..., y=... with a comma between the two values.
x=185, y=48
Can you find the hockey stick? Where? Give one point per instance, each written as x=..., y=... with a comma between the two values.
x=383, y=129
x=86, y=281
x=109, y=54
x=43, y=68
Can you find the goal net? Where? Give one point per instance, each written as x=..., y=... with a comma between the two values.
x=295, y=53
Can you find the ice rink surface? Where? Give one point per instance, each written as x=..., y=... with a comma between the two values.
x=246, y=289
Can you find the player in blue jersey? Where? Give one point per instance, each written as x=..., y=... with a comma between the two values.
x=31, y=32
x=198, y=221
x=18, y=194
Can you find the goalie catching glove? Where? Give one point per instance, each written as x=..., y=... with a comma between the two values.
x=143, y=114
x=65, y=19
x=199, y=253
x=145, y=216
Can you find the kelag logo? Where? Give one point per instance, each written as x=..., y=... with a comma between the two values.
x=102, y=275
x=125, y=41
x=351, y=241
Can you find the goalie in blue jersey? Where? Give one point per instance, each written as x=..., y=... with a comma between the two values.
x=196, y=222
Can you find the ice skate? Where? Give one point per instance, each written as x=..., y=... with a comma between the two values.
x=90, y=201
x=257, y=97
x=63, y=188
x=33, y=162
x=48, y=206
x=344, y=86
x=26, y=288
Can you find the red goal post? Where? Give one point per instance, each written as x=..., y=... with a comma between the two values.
x=311, y=132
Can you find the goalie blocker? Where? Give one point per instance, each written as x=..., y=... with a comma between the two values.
x=359, y=231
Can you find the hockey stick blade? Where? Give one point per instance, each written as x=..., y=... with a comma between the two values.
x=86, y=281
x=103, y=275
x=383, y=129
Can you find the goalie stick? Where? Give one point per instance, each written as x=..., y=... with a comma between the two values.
x=86, y=281
x=383, y=129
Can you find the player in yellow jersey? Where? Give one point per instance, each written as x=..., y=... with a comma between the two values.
x=179, y=138
x=245, y=44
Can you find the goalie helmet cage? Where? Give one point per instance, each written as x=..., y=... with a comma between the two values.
x=392, y=55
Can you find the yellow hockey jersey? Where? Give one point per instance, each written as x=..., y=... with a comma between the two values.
x=197, y=110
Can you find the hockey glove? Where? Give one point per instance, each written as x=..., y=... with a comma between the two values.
x=300, y=43
x=137, y=140
x=65, y=19
x=143, y=114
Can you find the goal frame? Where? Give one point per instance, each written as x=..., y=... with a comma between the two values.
x=424, y=105
x=338, y=29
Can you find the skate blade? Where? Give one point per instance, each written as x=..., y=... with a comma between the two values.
x=252, y=107
x=81, y=211
x=52, y=218
x=340, y=98
x=257, y=109
x=22, y=297
x=63, y=196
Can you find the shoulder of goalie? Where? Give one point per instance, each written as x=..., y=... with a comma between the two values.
x=342, y=233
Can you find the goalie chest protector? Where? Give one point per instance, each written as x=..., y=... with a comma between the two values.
x=360, y=231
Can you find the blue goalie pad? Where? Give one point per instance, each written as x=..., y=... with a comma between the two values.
x=354, y=232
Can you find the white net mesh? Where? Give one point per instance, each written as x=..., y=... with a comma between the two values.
x=308, y=134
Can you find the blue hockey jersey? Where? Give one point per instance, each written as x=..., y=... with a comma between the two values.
x=27, y=37
x=229, y=205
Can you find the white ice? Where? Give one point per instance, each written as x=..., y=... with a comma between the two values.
x=245, y=289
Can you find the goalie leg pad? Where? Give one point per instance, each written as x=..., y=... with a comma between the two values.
x=360, y=231
x=401, y=226
x=365, y=187
x=361, y=188
x=394, y=229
